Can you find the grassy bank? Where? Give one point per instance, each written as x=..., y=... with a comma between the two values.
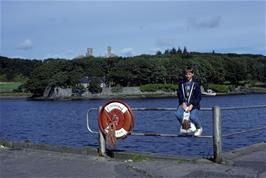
x=9, y=86
x=10, y=89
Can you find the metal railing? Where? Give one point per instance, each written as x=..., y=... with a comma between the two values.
x=217, y=135
x=247, y=130
x=148, y=134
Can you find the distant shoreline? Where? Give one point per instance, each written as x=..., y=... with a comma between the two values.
x=122, y=96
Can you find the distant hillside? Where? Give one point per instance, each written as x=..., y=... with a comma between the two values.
x=166, y=68
x=12, y=69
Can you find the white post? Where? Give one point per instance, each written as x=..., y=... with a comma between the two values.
x=102, y=141
x=102, y=144
x=217, y=136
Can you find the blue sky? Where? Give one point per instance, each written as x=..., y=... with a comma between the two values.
x=65, y=29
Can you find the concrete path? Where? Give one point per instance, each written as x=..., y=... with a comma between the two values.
x=249, y=162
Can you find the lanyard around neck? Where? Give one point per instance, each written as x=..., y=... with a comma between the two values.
x=190, y=92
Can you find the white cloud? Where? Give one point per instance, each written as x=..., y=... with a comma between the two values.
x=61, y=56
x=166, y=42
x=154, y=50
x=127, y=52
x=207, y=22
x=25, y=45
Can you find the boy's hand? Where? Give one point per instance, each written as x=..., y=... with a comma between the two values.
x=184, y=106
x=190, y=107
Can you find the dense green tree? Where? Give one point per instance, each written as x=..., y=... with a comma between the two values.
x=158, y=53
x=179, y=50
x=122, y=73
x=166, y=51
x=235, y=70
x=12, y=67
x=95, y=86
x=52, y=73
x=173, y=69
x=173, y=51
x=185, y=50
x=133, y=71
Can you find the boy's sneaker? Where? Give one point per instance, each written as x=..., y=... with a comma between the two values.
x=198, y=132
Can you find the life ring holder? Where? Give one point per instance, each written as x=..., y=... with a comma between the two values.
x=117, y=114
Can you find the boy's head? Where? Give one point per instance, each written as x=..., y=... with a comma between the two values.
x=188, y=72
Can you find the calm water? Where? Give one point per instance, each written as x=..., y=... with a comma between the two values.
x=64, y=123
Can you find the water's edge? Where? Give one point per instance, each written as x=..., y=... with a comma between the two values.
x=123, y=96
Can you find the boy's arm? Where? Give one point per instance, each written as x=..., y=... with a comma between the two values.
x=197, y=98
x=180, y=95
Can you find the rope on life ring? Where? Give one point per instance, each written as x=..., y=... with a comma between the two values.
x=111, y=139
x=116, y=120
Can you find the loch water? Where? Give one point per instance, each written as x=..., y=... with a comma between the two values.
x=64, y=123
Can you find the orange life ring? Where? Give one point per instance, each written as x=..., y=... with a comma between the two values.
x=118, y=114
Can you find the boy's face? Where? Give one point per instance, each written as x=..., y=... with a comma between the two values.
x=189, y=75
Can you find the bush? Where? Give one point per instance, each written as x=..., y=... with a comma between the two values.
x=227, y=83
x=78, y=90
x=156, y=87
x=148, y=88
x=117, y=89
x=256, y=83
x=95, y=86
x=220, y=88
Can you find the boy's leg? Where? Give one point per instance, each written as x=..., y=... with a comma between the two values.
x=179, y=114
x=194, y=117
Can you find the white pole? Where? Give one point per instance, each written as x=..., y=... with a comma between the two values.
x=102, y=141
x=217, y=136
x=102, y=144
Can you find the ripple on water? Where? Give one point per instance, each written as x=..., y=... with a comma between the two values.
x=64, y=123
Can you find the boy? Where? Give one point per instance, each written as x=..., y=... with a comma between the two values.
x=189, y=95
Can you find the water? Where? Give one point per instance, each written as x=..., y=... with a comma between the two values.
x=64, y=123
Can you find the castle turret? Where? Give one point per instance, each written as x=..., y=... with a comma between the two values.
x=89, y=52
x=109, y=52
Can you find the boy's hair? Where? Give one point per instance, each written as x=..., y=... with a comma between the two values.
x=188, y=69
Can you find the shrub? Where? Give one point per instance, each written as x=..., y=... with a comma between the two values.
x=117, y=89
x=220, y=88
x=95, y=86
x=148, y=88
x=156, y=87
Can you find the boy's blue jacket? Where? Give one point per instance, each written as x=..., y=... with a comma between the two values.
x=195, y=95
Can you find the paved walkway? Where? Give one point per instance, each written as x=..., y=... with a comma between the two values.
x=249, y=162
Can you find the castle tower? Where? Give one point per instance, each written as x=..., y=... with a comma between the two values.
x=109, y=51
x=89, y=52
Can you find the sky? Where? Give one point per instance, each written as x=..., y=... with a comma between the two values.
x=65, y=29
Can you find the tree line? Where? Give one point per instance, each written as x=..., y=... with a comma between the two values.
x=165, y=68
